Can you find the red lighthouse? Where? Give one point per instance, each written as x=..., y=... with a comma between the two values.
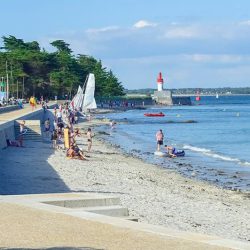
x=160, y=82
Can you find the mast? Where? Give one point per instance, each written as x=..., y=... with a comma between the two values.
x=7, y=82
x=85, y=84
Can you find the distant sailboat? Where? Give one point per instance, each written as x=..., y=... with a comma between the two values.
x=217, y=95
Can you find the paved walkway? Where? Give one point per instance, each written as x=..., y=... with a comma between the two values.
x=25, y=227
x=15, y=114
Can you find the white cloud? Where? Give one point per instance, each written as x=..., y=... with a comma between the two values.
x=222, y=58
x=182, y=32
x=246, y=23
x=102, y=30
x=143, y=24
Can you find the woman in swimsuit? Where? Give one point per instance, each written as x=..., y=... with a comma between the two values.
x=89, y=138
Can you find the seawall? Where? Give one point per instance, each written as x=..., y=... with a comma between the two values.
x=8, y=120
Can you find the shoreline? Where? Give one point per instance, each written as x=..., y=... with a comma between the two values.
x=155, y=195
x=164, y=197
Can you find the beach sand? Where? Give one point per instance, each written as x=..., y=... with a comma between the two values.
x=153, y=194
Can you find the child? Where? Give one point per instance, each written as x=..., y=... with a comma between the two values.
x=54, y=139
x=47, y=127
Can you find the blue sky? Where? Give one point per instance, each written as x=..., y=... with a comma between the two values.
x=193, y=43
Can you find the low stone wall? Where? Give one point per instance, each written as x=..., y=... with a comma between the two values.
x=7, y=129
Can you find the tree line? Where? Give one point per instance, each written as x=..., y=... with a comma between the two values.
x=34, y=71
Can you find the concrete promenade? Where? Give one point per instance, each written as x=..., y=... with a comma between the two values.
x=17, y=114
x=27, y=222
x=7, y=121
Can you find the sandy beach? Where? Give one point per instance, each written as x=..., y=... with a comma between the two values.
x=154, y=195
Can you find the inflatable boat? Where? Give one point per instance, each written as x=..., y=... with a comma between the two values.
x=154, y=114
x=177, y=153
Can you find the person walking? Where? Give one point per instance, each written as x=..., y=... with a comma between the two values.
x=89, y=138
x=159, y=138
x=32, y=102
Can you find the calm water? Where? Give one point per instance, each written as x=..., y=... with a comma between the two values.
x=217, y=146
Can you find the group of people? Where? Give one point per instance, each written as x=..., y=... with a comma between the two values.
x=64, y=118
x=159, y=139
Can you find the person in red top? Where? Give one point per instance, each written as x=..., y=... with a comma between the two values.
x=159, y=138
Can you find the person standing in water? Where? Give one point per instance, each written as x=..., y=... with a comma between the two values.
x=159, y=138
x=89, y=138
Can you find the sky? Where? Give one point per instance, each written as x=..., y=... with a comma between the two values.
x=195, y=44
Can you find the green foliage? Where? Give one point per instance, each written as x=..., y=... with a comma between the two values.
x=49, y=74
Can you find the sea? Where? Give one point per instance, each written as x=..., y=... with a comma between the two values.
x=214, y=133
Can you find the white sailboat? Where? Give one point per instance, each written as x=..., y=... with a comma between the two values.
x=85, y=100
x=89, y=95
x=76, y=103
x=217, y=95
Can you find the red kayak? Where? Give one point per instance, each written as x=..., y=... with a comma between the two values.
x=154, y=114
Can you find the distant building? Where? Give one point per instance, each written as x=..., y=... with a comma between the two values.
x=165, y=97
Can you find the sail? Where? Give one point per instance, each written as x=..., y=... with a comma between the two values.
x=77, y=101
x=89, y=96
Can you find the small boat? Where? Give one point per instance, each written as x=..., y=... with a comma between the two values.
x=177, y=153
x=154, y=114
x=217, y=95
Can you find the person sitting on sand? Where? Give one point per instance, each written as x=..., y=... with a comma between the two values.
x=79, y=152
x=159, y=138
x=75, y=153
x=70, y=152
x=170, y=151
